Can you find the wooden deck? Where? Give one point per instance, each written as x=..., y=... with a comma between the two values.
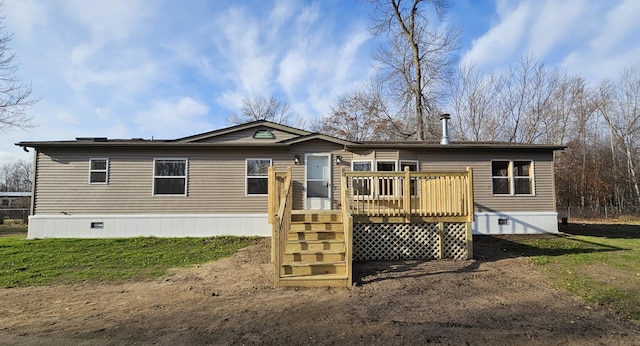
x=316, y=248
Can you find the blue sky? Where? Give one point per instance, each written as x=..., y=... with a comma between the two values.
x=168, y=69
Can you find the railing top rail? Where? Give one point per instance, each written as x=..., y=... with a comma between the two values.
x=287, y=191
x=403, y=174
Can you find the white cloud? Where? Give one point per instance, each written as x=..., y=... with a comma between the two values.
x=102, y=113
x=589, y=38
x=556, y=22
x=113, y=20
x=282, y=11
x=292, y=68
x=67, y=118
x=503, y=39
x=620, y=23
x=611, y=46
x=166, y=119
x=247, y=55
x=24, y=17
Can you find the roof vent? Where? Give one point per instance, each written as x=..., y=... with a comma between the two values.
x=92, y=139
x=445, y=129
x=263, y=134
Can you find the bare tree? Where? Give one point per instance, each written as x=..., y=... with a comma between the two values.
x=15, y=97
x=16, y=176
x=358, y=116
x=417, y=62
x=473, y=100
x=621, y=110
x=262, y=108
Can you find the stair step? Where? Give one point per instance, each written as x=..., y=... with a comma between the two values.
x=315, y=235
x=313, y=268
x=316, y=216
x=314, y=256
x=313, y=263
x=316, y=226
x=320, y=280
x=314, y=245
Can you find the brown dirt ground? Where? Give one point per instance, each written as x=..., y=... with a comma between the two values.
x=494, y=300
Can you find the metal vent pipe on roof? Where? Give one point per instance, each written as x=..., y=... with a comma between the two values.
x=445, y=128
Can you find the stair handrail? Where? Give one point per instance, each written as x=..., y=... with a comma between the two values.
x=282, y=222
x=347, y=225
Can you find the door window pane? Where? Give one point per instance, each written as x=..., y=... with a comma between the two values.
x=317, y=189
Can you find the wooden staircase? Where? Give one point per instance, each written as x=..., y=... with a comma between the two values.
x=315, y=253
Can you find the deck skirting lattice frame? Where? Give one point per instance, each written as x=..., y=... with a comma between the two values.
x=409, y=241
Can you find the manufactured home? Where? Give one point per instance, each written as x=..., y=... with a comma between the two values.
x=329, y=200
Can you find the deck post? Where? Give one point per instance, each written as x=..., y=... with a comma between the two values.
x=275, y=250
x=271, y=198
x=406, y=194
x=471, y=213
x=441, y=238
x=469, y=240
x=470, y=206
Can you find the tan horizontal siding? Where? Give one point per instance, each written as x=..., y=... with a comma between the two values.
x=216, y=183
x=216, y=179
x=543, y=200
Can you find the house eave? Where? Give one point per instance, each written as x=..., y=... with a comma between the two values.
x=455, y=146
x=146, y=145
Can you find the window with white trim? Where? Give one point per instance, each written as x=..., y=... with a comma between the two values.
x=512, y=177
x=98, y=171
x=361, y=186
x=413, y=167
x=170, y=177
x=386, y=184
x=257, y=179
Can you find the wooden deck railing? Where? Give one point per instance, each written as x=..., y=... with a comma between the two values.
x=347, y=224
x=280, y=206
x=442, y=195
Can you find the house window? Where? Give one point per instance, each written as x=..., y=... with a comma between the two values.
x=413, y=167
x=385, y=184
x=257, y=176
x=512, y=177
x=361, y=186
x=523, y=177
x=98, y=171
x=170, y=177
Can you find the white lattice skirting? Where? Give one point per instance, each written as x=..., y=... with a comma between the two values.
x=409, y=241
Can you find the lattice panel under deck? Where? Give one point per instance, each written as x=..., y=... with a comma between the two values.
x=455, y=240
x=407, y=241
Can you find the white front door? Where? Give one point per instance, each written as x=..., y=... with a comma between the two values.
x=318, y=181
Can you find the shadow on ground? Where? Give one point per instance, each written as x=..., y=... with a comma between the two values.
x=493, y=248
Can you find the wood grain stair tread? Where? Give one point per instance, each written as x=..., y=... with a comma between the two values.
x=315, y=211
x=314, y=276
x=313, y=252
x=315, y=263
x=324, y=241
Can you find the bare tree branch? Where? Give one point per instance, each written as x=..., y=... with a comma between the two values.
x=15, y=97
x=262, y=108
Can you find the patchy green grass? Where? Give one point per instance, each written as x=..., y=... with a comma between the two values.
x=52, y=261
x=599, y=262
